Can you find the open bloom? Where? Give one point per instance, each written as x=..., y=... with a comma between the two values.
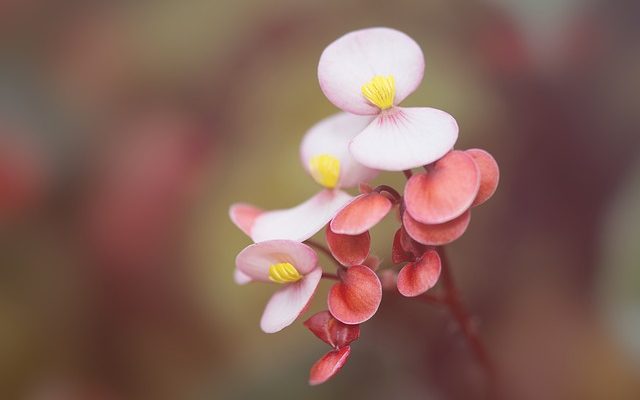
x=369, y=72
x=290, y=264
x=325, y=155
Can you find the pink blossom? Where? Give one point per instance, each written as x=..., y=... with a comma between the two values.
x=369, y=72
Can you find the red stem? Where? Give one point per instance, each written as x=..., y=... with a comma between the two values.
x=463, y=318
x=407, y=173
x=321, y=248
x=327, y=275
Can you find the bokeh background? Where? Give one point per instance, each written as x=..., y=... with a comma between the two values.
x=127, y=129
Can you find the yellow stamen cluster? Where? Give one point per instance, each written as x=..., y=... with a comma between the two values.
x=381, y=91
x=325, y=169
x=284, y=273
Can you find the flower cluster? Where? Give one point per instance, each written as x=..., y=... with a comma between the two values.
x=366, y=73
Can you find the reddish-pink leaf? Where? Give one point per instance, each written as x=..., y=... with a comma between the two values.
x=418, y=277
x=357, y=297
x=332, y=331
x=362, y=214
x=436, y=235
x=445, y=192
x=329, y=365
x=347, y=249
x=489, y=174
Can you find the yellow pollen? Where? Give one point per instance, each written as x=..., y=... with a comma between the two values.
x=284, y=273
x=325, y=169
x=381, y=90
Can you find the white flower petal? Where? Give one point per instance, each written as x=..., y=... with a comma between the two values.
x=331, y=136
x=289, y=302
x=404, y=138
x=355, y=58
x=301, y=222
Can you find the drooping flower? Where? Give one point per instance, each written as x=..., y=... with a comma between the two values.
x=288, y=263
x=438, y=201
x=337, y=335
x=417, y=277
x=369, y=72
x=357, y=296
x=325, y=156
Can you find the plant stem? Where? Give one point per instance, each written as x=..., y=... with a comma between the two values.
x=321, y=248
x=463, y=318
x=327, y=275
x=407, y=173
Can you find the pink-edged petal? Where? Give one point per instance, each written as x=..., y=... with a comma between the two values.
x=348, y=249
x=301, y=222
x=405, y=138
x=331, y=136
x=255, y=260
x=436, y=235
x=361, y=214
x=445, y=192
x=331, y=331
x=328, y=365
x=420, y=276
x=244, y=216
x=289, y=302
x=355, y=58
x=357, y=297
x=240, y=277
x=398, y=252
x=489, y=174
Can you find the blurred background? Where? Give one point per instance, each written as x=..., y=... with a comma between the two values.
x=127, y=129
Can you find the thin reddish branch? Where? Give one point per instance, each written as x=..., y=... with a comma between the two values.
x=407, y=173
x=327, y=275
x=323, y=249
x=463, y=318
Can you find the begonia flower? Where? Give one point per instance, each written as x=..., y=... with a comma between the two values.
x=369, y=72
x=288, y=263
x=357, y=296
x=325, y=156
x=335, y=334
x=453, y=184
x=417, y=277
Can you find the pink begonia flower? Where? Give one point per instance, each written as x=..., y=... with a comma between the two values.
x=361, y=214
x=417, y=277
x=331, y=331
x=489, y=175
x=291, y=264
x=335, y=334
x=438, y=234
x=369, y=72
x=325, y=156
x=357, y=296
x=453, y=184
x=348, y=250
x=445, y=192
